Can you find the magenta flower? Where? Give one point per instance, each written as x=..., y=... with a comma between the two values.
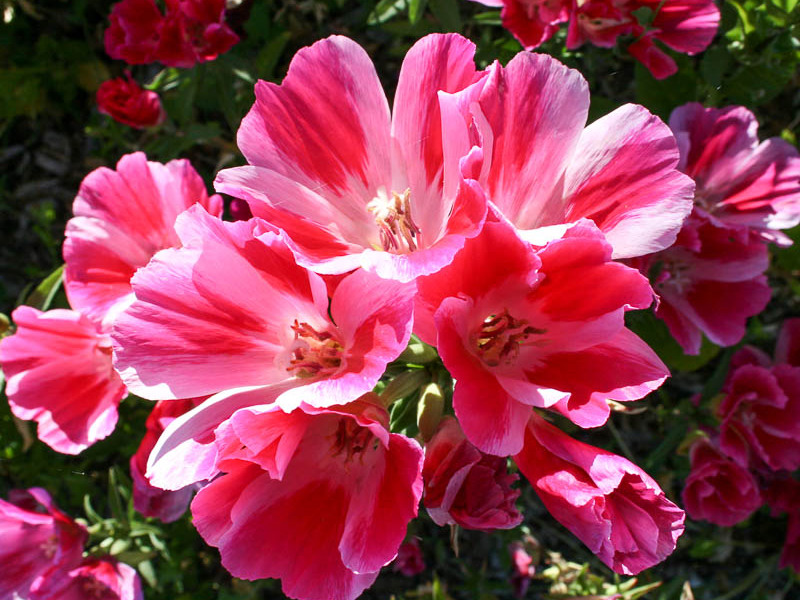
x=282, y=471
x=166, y=505
x=39, y=541
x=238, y=311
x=718, y=489
x=609, y=503
x=687, y=26
x=94, y=579
x=523, y=569
x=121, y=219
x=705, y=264
x=543, y=169
x=59, y=373
x=741, y=183
x=464, y=486
x=125, y=101
x=409, y=559
x=761, y=416
x=523, y=332
x=352, y=185
x=191, y=31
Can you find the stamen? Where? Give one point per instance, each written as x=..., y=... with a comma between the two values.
x=396, y=228
x=500, y=337
x=352, y=440
x=314, y=353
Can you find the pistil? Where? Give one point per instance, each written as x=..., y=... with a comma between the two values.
x=396, y=228
x=314, y=353
x=500, y=337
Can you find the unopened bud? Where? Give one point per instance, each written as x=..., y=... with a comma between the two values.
x=418, y=353
x=403, y=385
x=429, y=410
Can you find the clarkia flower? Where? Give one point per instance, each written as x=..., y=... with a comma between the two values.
x=166, y=505
x=718, y=489
x=543, y=169
x=409, y=559
x=606, y=501
x=350, y=184
x=238, y=311
x=59, y=373
x=319, y=498
x=464, y=486
x=191, y=31
x=524, y=332
x=125, y=101
x=93, y=579
x=39, y=542
x=121, y=219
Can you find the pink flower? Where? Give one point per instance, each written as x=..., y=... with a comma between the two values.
x=760, y=416
x=707, y=263
x=466, y=487
x=148, y=499
x=350, y=184
x=319, y=498
x=94, y=579
x=409, y=559
x=532, y=22
x=59, y=373
x=787, y=348
x=192, y=31
x=522, y=332
x=39, y=541
x=523, y=569
x=121, y=219
x=543, y=169
x=741, y=183
x=231, y=309
x=718, y=489
x=609, y=503
x=125, y=101
x=134, y=31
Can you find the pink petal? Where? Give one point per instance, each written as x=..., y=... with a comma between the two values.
x=623, y=177
x=59, y=373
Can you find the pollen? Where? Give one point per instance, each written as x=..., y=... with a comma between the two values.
x=313, y=353
x=396, y=228
x=500, y=337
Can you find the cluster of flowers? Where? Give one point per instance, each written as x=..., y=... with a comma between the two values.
x=746, y=193
x=686, y=26
x=41, y=557
x=481, y=214
x=749, y=459
x=191, y=31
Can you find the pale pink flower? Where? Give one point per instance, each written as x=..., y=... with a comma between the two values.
x=38, y=541
x=319, y=498
x=741, y=183
x=609, y=503
x=231, y=308
x=166, y=505
x=543, y=168
x=464, y=486
x=705, y=264
x=718, y=489
x=523, y=331
x=59, y=373
x=121, y=219
x=94, y=579
x=351, y=184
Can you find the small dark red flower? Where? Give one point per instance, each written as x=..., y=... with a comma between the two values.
x=125, y=101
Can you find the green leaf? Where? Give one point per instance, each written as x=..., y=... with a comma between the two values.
x=786, y=6
x=268, y=57
x=653, y=331
x=386, y=10
x=42, y=296
x=447, y=13
x=416, y=8
x=716, y=62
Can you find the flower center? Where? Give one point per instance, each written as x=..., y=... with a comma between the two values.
x=313, y=353
x=351, y=440
x=500, y=337
x=396, y=227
